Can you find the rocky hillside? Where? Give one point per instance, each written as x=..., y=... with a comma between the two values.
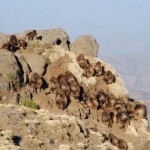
x=56, y=94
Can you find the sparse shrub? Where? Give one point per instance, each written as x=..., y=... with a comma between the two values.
x=30, y=104
x=14, y=79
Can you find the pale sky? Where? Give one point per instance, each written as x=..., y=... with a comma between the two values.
x=119, y=26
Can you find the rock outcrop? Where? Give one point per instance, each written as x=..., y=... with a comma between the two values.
x=86, y=45
x=75, y=107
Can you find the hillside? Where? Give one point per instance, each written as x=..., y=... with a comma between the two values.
x=76, y=100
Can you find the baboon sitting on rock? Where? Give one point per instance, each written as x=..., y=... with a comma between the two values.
x=99, y=69
x=109, y=77
x=36, y=82
x=22, y=43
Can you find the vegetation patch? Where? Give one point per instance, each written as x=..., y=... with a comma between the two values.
x=30, y=104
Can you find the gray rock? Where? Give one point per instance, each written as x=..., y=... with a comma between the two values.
x=53, y=34
x=86, y=45
x=5, y=84
x=36, y=62
x=9, y=70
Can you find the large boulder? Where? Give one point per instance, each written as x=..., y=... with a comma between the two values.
x=85, y=44
x=3, y=38
x=9, y=70
x=36, y=62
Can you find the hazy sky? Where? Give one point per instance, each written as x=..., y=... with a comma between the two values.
x=118, y=25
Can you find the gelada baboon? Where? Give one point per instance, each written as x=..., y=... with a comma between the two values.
x=75, y=89
x=122, y=119
x=61, y=99
x=39, y=38
x=70, y=77
x=109, y=77
x=107, y=118
x=99, y=69
x=13, y=40
x=113, y=139
x=31, y=35
x=36, y=82
x=140, y=112
x=54, y=84
x=122, y=145
x=89, y=71
x=82, y=61
x=22, y=43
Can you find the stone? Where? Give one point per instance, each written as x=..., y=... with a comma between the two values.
x=36, y=63
x=86, y=45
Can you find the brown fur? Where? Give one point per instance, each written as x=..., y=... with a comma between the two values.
x=140, y=112
x=82, y=61
x=70, y=77
x=13, y=40
x=113, y=139
x=99, y=70
x=54, y=84
x=122, y=145
x=36, y=82
x=107, y=118
x=39, y=38
x=61, y=99
x=22, y=43
x=31, y=35
x=89, y=71
x=109, y=77
x=75, y=89
x=61, y=78
x=65, y=87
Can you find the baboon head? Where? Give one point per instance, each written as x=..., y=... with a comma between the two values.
x=97, y=66
x=13, y=40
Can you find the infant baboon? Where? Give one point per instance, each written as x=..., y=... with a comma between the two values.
x=113, y=139
x=39, y=38
x=22, y=43
x=122, y=145
x=109, y=77
x=54, y=85
x=61, y=99
x=140, y=112
x=36, y=82
x=107, y=118
x=13, y=40
x=7, y=46
x=31, y=35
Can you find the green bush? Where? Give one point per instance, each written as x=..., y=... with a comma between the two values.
x=14, y=79
x=30, y=104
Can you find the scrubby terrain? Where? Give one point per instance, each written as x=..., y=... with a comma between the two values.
x=43, y=108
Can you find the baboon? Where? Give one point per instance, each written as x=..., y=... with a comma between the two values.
x=109, y=77
x=70, y=77
x=140, y=112
x=31, y=35
x=82, y=61
x=36, y=82
x=7, y=46
x=130, y=107
x=61, y=78
x=99, y=70
x=75, y=89
x=89, y=71
x=13, y=40
x=102, y=98
x=107, y=118
x=113, y=139
x=122, y=145
x=39, y=38
x=22, y=43
x=65, y=87
x=54, y=84
x=61, y=99
x=122, y=119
